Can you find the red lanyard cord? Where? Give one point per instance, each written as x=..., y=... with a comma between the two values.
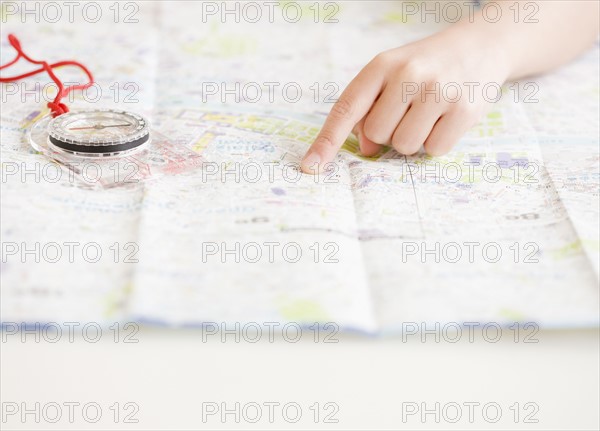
x=55, y=106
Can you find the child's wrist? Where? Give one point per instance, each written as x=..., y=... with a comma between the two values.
x=486, y=50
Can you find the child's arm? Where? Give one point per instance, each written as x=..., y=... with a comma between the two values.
x=395, y=99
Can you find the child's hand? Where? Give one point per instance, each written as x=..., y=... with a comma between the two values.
x=382, y=107
x=427, y=93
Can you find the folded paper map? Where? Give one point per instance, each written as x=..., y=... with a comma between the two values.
x=504, y=228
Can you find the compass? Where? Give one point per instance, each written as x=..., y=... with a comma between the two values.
x=98, y=133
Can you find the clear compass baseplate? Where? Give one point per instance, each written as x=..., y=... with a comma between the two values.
x=103, y=148
x=93, y=133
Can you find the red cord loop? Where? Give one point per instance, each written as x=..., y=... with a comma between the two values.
x=56, y=107
x=14, y=42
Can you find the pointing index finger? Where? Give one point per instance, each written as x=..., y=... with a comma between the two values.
x=352, y=106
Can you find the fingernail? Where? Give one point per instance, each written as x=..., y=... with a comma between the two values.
x=311, y=163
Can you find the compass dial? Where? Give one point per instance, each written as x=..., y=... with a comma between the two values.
x=99, y=132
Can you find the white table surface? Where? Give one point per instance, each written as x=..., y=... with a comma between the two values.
x=170, y=373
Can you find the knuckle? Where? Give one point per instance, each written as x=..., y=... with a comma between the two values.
x=417, y=70
x=382, y=59
x=413, y=69
x=398, y=146
x=372, y=130
x=324, y=140
x=343, y=109
x=407, y=148
x=466, y=110
x=468, y=114
x=436, y=149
